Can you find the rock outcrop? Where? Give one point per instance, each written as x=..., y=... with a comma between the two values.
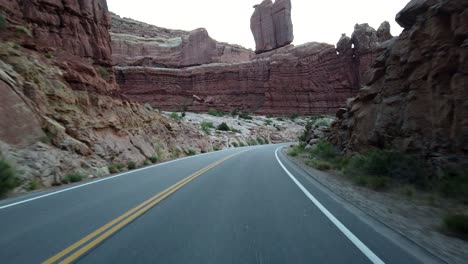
x=271, y=25
x=307, y=79
x=415, y=97
x=74, y=32
x=138, y=44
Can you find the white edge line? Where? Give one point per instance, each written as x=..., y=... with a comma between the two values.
x=105, y=179
x=358, y=243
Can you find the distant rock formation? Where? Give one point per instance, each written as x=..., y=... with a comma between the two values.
x=383, y=33
x=138, y=44
x=271, y=25
x=415, y=97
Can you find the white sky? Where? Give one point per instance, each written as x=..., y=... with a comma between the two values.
x=229, y=20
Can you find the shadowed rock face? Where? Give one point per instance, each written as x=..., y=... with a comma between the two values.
x=271, y=25
x=416, y=96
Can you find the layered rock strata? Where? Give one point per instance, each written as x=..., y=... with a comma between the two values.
x=138, y=44
x=415, y=97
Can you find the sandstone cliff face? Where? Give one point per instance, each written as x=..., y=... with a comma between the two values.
x=75, y=32
x=271, y=25
x=138, y=44
x=308, y=79
x=416, y=95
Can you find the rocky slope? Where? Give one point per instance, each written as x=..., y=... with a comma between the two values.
x=415, y=97
x=61, y=108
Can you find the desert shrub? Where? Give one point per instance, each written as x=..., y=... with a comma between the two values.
x=268, y=122
x=453, y=183
x=48, y=55
x=72, y=177
x=190, y=152
x=235, y=130
x=3, y=22
x=388, y=163
x=377, y=183
x=280, y=118
x=234, y=144
x=153, y=159
x=245, y=115
x=131, y=165
x=307, y=131
x=216, y=148
x=261, y=141
x=320, y=164
x=457, y=224
x=183, y=114
x=241, y=144
x=146, y=163
x=223, y=127
x=296, y=150
x=23, y=30
x=206, y=126
x=234, y=112
x=215, y=112
x=294, y=116
x=8, y=179
x=175, y=116
x=324, y=150
x=323, y=121
x=252, y=142
x=33, y=185
x=103, y=72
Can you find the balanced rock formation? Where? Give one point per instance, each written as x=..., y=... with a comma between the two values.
x=416, y=95
x=138, y=44
x=271, y=25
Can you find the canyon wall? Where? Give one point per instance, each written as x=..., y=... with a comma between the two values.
x=313, y=78
x=415, y=97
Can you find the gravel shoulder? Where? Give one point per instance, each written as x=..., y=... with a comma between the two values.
x=417, y=217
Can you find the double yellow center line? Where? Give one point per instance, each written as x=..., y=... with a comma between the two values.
x=104, y=232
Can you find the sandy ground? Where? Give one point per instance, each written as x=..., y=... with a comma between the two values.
x=417, y=217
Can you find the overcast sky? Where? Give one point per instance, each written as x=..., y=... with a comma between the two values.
x=229, y=20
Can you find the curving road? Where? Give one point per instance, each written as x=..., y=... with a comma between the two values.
x=244, y=205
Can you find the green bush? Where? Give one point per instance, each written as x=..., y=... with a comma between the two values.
x=377, y=183
x=215, y=112
x=33, y=185
x=48, y=55
x=175, y=116
x=103, y=72
x=457, y=224
x=245, y=115
x=3, y=22
x=235, y=130
x=320, y=164
x=296, y=150
x=388, y=163
x=324, y=150
x=252, y=142
x=268, y=122
x=146, y=163
x=241, y=144
x=280, y=119
x=207, y=126
x=216, y=148
x=8, y=179
x=261, y=141
x=131, y=165
x=153, y=159
x=294, y=116
x=453, y=184
x=223, y=127
x=190, y=152
x=72, y=177
x=234, y=144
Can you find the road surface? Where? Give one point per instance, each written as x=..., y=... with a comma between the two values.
x=243, y=205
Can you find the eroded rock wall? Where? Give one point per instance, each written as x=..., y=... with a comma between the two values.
x=415, y=97
x=307, y=79
x=136, y=43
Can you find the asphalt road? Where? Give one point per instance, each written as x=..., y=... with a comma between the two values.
x=246, y=205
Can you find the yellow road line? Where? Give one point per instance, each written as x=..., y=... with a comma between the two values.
x=130, y=216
